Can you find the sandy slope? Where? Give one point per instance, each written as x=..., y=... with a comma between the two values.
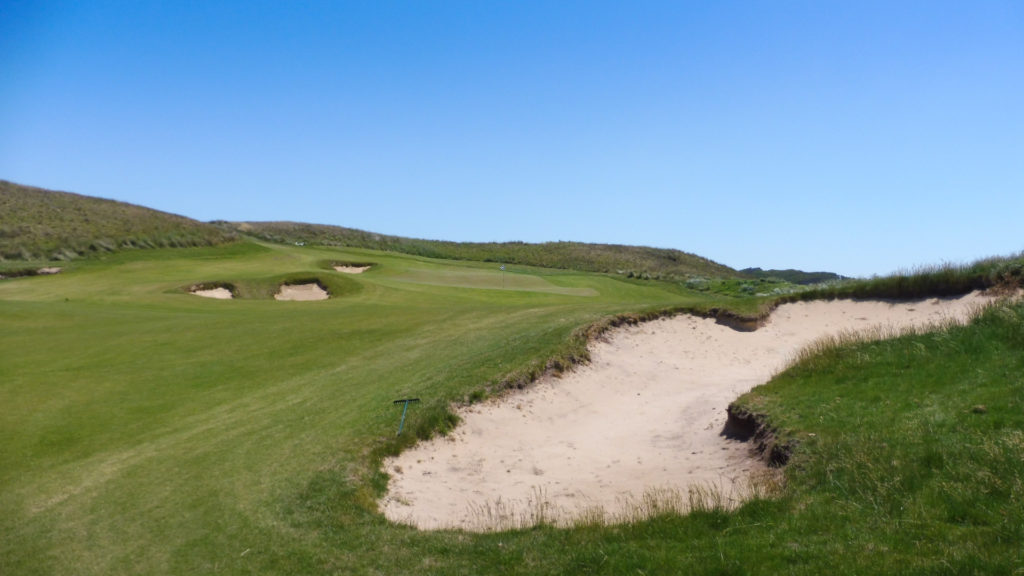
x=645, y=414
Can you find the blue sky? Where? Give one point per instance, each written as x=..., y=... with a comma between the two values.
x=858, y=137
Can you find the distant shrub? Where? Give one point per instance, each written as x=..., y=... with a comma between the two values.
x=698, y=283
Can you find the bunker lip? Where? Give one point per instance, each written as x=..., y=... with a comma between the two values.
x=305, y=292
x=648, y=413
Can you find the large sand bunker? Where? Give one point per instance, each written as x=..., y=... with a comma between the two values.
x=301, y=292
x=645, y=416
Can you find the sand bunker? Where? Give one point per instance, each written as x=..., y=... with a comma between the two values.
x=645, y=415
x=40, y=272
x=352, y=269
x=218, y=293
x=301, y=292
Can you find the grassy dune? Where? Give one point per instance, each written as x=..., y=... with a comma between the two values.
x=43, y=225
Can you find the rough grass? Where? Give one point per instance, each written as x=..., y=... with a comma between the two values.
x=44, y=225
x=912, y=447
x=537, y=510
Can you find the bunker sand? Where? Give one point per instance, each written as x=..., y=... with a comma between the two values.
x=352, y=269
x=217, y=293
x=645, y=415
x=301, y=292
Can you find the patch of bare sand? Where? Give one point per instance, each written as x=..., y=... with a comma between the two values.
x=218, y=293
x=645, y=415
x=301, y=292
x=352, y=269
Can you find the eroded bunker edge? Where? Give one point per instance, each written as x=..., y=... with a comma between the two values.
x=746, y=426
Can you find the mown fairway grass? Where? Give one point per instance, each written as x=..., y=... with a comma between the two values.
x=148, y=431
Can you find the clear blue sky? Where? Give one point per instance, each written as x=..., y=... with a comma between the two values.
x=858, y=137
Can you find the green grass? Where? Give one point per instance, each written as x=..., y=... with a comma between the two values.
x=148, y=431
x=39, y=225
x=912, y=449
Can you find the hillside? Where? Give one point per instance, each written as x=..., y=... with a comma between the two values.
x=637, y=261
x=38, y=224
x=794, y=276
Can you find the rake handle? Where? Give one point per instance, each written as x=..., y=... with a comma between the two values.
x=405, y=409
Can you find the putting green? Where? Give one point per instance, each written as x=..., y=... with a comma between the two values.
x=489, y=280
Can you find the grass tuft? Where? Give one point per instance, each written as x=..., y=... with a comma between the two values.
x=655, y=502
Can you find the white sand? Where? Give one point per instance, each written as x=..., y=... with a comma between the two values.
x=301, y=292
x=218, y=293
x=646, y=414
x=352, y=269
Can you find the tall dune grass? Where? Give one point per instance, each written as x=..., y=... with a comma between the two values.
x=45, y=225
x=1002, y=274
